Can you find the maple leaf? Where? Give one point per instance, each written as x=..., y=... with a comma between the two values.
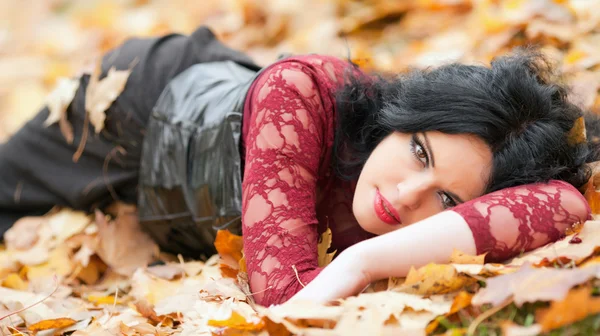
x=122, y=244
x=530, y=284
x=100, y=94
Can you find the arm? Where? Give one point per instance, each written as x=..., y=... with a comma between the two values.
x=502, y=224
x=283, y=154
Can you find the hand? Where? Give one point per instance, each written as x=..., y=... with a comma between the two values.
x=345, y=276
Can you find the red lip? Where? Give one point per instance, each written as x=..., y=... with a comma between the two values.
x=392, y=218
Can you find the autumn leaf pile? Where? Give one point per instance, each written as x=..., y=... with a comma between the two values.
x=98, y=274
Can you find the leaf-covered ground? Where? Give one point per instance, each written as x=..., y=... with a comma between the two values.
x=70, y=271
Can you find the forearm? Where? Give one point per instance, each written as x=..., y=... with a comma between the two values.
x=430, y=240
x=391, y=254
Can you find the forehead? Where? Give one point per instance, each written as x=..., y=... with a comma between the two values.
x=462, y=163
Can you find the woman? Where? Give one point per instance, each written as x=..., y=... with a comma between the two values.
x=402, y=170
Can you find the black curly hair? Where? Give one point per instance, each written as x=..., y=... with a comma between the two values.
x=518, y=106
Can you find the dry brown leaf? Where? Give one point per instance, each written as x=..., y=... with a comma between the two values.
x=577, y=305
x=51, y=324
x=434, y=279
x=122, y=244
x=101, y=94
x=324, y=244
x=576, y=248
x=459, y=257
x=530, y=284
x=57, y=102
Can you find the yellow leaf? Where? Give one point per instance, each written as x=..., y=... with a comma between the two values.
x=52, y=324
x=110, y=299
x=434, y=279
x=459, y=257
x=236, y=321
x=324, y=244
x=14, y=281
x=577, y=305
x=577, y=133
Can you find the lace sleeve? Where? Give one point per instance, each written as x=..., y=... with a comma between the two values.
x=284, y=147
x=518, y=219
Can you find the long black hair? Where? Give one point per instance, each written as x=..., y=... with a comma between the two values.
x=518, y=106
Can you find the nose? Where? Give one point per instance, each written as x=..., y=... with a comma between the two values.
x=414, y=189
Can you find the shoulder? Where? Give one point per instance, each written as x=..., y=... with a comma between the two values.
x=326, y=71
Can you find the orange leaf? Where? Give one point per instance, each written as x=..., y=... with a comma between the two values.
x=228, y=244
x=462, y=300
x=228, y=271
x=110, y=299
x=52, y=324
x=237, y=321
x=577, y=305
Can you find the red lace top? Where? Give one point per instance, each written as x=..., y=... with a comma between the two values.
x=290, y=195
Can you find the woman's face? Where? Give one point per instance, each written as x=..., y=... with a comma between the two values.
x=410, y=177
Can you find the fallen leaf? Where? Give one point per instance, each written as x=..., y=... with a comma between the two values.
x=51, y=324
x=577, y=305
x=324, y=244
x=237, y=321
x=24, y=233
x=530, y=284
x=434, y=279
x=566, y=248
x=230, y=248
x=122, y=244
x=57, y=102
x=459, y=257
x=106, y=300
x=14, y=281
x=167, y=272
x=100, y=94
x=229, y=245
x=67, y=223
x=577, y=133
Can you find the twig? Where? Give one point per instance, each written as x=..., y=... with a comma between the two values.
x=18, y=190
x=84, y=136
x=297, y=276
x=36, y=303
x=487, y=314
x=109, y=186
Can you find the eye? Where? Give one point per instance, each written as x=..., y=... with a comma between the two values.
x=417, y=149
x=447, y=201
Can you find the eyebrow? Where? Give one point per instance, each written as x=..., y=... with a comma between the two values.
x=430, y=152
